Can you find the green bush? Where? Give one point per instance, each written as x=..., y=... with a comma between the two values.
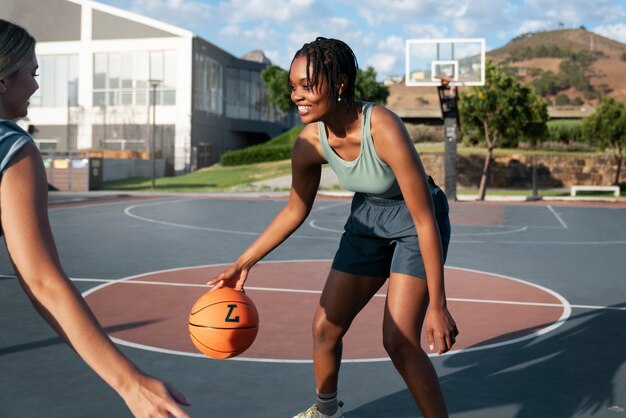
x=276, y=149
x=424, y=133
x=561, y=100
x=565, y=131
x=253, y=155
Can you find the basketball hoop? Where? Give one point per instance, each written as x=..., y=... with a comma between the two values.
x=446, y=64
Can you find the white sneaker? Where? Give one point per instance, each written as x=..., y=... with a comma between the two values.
x=313, y=412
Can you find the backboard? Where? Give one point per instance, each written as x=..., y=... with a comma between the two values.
x=461, y=60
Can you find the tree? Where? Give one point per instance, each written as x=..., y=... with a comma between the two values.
x=562, y=100
x=275, y=80
x=606, y=128
x=502, y=112
x=368, y=89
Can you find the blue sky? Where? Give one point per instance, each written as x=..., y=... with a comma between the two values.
x=375, y=29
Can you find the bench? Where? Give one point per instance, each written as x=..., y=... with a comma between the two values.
x=614, y=189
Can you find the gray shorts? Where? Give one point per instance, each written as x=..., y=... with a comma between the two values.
x=380, y=236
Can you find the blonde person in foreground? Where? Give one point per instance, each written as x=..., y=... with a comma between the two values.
x=395, y=203
x=28, y=237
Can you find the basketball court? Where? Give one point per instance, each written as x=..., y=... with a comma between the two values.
x=536, y=289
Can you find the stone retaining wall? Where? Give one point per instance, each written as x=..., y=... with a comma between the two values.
x=515, y=170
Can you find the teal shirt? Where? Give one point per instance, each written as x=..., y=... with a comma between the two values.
x=12, y=140
x=367, y=173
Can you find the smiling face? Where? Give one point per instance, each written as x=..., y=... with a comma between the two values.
x=313, y=99
x=16, y=89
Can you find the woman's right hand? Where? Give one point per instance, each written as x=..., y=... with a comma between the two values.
x=234, y=276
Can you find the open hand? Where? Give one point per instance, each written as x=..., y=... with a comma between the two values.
x=234, y=276
x=151, y=398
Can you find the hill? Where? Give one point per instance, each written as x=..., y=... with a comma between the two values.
x=571, y=68
x=599, y=60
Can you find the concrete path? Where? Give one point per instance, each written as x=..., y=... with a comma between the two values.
x=329, y=181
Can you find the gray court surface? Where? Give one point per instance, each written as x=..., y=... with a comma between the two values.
x=576, y=370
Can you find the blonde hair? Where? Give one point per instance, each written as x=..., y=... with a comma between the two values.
x=17, y=47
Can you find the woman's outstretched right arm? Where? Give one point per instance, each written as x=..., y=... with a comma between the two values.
x=306, y=168
x=24, y=217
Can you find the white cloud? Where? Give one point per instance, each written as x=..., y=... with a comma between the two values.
x=176, y=12
x=388, y=57
x=426, y=31
x=616, y=31
x=393, y=44
x=573, y=13
x=230, y=30
x=376, y=12
x=265, y=10
x=535, y=26
x=384, y=63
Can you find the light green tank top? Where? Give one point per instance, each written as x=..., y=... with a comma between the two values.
x=367, y=173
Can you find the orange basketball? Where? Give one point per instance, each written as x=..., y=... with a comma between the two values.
x=223, y=323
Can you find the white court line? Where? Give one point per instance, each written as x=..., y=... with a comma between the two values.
x=540, y=242
x=565, y=305
x=313, y=224
x=558, y=217
x=275, y=289
x=319, y=292
x=89, y=204
x=478, y=234
x=330, y=206
x=567, y=309
x=128, y=212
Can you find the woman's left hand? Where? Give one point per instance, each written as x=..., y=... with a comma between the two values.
x=147, y=396
x=440, y=329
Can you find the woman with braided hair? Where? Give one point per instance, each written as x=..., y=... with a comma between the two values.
x=398, y=228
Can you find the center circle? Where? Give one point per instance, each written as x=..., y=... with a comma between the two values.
x=151, y=310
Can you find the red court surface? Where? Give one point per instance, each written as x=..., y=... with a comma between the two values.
x=491, y=310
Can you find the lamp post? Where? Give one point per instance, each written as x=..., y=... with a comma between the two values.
x=154, y=84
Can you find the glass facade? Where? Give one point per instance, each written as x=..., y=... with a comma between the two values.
x=208, y=85
x=123, y=78
x=58, y=81
x=247, y=98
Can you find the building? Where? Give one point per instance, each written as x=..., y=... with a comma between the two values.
x=111, y=79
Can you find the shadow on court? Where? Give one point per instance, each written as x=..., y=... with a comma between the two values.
x=566, y=374
x=56, y=340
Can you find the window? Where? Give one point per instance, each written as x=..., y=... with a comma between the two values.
x=208, y=85
x=123, y=79
x=247, y=98
x=58, y=82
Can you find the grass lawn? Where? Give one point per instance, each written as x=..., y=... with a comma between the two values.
x=212, y=179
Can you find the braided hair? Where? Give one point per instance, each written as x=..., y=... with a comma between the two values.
x=16, y=47
x=332, y=59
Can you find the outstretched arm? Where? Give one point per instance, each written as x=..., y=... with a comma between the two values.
x=24, y=217
x=306, y=163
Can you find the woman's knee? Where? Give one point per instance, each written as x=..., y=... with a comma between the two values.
x=396, y=342
x=325, y=332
